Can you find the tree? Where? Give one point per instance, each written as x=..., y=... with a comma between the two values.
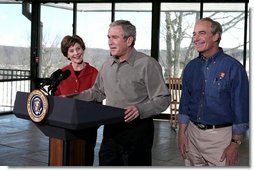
x=51, y=56
x=178, y=32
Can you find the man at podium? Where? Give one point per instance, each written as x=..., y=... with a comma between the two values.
x=131, y=80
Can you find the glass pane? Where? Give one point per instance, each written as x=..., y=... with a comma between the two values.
x=56, y=23
x=231, y=16
x=14, y=38
x=176, y=48
x=140, y=15
x=92, y=25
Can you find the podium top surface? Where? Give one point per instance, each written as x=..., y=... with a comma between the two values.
x=71, y=113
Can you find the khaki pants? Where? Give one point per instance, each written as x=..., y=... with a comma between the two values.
x=207, y=146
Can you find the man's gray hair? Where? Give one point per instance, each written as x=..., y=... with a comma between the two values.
x=216, y=26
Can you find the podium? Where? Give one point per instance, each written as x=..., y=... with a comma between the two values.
x=66, y=120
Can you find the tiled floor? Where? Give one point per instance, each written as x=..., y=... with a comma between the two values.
x=22, y=144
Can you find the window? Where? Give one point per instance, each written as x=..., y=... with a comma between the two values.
x=14, y=38
x=176, y=48
x=140, y=15
x=177, y=23
x=55, y=24
x=15, y=33
x=92, y=25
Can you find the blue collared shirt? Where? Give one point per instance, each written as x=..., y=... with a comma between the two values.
x=215, y=91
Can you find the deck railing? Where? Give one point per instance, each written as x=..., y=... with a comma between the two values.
x=11, y=81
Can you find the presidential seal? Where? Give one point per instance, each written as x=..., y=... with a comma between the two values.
x=37, y=105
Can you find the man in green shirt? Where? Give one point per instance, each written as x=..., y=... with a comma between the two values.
x=131, y=80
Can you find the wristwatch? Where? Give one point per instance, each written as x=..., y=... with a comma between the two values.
x=239, y=142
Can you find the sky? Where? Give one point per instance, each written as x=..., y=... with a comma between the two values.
x=58, y=23
x=15, y=28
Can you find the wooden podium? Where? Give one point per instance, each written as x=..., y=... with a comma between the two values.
x=65, y=122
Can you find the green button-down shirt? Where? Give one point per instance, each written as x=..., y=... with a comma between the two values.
x=137, y=81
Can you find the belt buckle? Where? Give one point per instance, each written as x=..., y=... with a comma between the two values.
x=201, y=126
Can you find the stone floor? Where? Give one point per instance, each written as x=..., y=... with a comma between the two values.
x=22, y=144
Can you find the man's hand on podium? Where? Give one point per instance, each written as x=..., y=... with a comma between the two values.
x=131, y=113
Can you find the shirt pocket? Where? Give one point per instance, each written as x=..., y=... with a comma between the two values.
x=218, y=88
